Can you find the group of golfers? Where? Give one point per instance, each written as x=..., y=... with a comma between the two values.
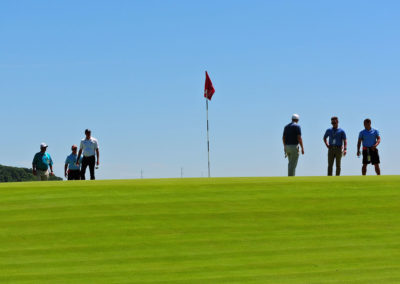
x=334, y=138
x=336, y=142
x=75, y=164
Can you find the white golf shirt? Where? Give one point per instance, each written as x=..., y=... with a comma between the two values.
x=89, y=146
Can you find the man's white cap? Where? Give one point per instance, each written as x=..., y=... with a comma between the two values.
x=43, y=145
x=295, y=116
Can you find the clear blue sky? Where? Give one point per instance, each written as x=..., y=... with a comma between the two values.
x=133, y=72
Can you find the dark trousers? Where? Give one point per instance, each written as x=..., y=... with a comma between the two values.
x=74, y=175
x=88, y=161
x=334, y=153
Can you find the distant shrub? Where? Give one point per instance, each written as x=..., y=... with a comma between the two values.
x=14, y=174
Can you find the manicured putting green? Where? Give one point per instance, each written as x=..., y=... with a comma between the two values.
x=223, y=230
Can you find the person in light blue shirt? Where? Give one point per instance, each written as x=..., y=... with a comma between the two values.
x=41, y=164
x=370, y=139
x=72, y=169
x=337, y=139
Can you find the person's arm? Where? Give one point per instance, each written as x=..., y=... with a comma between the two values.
x=34, y=166
x=79, y=156
x=301, y=143
x=284, y=145
x=98, y=156
x=378, y=140
x=345, y=147
x=65, y=170
x=324, y=139
x=51, y=165
x=284, y=142
x=358, y=146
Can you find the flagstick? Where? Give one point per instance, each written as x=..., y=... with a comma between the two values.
x=208, y=140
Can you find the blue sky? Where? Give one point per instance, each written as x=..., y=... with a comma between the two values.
x=133, y=72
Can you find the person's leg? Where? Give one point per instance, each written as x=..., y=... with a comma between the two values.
x=289, y=156
x=365, y=162
x=75, y=175
x=376, y=161
x=377, y=169
x=364, y=169
x=331, y=157
x=38, y=175
x=83, y=169
x=91, y=167
x=293, y=156
x=70, y=175
x=338, y=156
x=45, y=175
x=287, y=150
x=295, y=160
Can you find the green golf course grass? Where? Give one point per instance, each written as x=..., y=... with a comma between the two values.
x=218, y=230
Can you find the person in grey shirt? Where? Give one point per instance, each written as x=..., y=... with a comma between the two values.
x=291, y=140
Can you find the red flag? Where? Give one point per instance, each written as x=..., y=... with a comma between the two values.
x=208, y=88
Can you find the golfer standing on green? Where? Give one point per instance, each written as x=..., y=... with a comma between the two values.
x=337, y=137
x=41, y=164
x=370, y=139
x=71, y=169
x=89, y=147
x=291, y=139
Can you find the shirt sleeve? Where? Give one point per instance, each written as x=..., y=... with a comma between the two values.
x=344, y=135
x=284, y=132
x=96, y=145
x=67, y=160
x=81, y=145
x=377, y=134
x=360, y=136
x=298, y=130
x=34, y=159
x=326, y=134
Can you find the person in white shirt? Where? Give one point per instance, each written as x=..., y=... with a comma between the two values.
x=89, y=147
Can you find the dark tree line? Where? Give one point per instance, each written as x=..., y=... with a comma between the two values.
x=13, y=174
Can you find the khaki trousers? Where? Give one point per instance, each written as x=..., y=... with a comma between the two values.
x=292, y=152
x=334, y=153
x=42, y=175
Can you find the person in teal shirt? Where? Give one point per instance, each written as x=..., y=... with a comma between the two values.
x=41, y=164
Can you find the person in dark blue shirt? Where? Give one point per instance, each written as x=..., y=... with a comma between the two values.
x=291, y=139
x=337, y=138
x=370, y=139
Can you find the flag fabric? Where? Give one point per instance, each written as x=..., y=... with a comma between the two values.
x=208, y=88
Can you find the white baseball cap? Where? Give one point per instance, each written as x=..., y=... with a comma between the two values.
x=295, y=116
x=43, y=145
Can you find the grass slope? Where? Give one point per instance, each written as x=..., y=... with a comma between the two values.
x=225, y=230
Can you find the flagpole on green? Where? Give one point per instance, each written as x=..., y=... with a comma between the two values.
x=208, y=93
x=208, y=140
